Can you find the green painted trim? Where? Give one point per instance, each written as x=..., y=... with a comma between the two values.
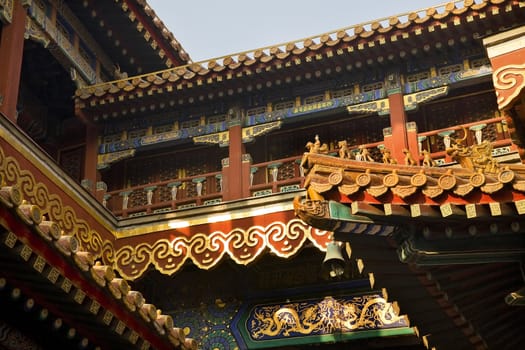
x=333, y=338
x=340, y=211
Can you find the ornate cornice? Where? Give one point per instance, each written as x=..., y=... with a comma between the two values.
x=165, y=248
x=450, y=18
x=207, y=249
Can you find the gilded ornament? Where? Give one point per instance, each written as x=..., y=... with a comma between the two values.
x=363, y=179
x=447, y=181
x=377, y=191
x=506, y=176
x=335, y=178
x=477, y=179
x=391, y=180
x=326, y=316
x=491, y=187
x=463, y=189
x=419, y=179
x=404, y=191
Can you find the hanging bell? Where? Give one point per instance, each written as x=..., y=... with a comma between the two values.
x=334, y=263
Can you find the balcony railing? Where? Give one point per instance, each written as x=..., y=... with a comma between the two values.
x=285, y=175
x=279, y=176
x=164, y=196
x=493, y=130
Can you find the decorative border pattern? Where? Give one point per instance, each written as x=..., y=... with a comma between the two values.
x=243, y=246
x=317, y=320
x=52, y=207
x=509, y=81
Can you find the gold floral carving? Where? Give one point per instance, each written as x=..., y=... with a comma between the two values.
x=508, y=81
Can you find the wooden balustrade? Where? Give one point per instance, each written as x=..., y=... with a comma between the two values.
x=277, y=176
x=282, y=175
x=164, y=196
x=436, y=142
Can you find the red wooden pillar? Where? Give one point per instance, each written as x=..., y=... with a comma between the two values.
x=236, y=180
x=398, y=124
x=11, y=51
x=91, y=174
x=90, y=161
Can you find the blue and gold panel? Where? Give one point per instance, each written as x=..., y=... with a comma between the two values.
x=320, y=320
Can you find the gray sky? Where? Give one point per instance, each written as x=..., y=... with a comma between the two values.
x=212, y=28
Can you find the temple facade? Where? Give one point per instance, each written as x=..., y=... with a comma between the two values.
x=358, y=189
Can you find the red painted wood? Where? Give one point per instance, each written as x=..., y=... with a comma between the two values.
x=398, y=122
x=11, y=51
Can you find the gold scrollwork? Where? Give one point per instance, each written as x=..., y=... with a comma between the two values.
x=509, y=81
x=324, y=316
x=52, y=207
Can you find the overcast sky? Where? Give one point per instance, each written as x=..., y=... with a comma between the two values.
x=213, y=28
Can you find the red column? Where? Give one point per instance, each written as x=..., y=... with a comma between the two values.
x=236, y=180
x=11, y=51
x=90, y=161
x=91, y=174
x=399, y=126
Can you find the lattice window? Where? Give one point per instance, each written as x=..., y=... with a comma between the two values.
x=162, y=129
x=490, y=133
x=450, y=69
x=141, y=172
x=137, y=199
x=313, y=99
x=133, y=134
x=255, y=111
x=112, y=138
x=216, y=119
x=286, y=171
x=164, y=194
x=371, y=87
x=412, y=78
x=342, y=93
x=480, y=62
x=283, y=105
x=190, y=124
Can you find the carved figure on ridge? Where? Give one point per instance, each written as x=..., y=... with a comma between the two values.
x=387, y=156
x=409, y=160
x=344, y=152
x=427, y=159
x=476, y=157
x=364, y=154
x=317, y=147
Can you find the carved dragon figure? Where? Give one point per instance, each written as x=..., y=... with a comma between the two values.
x=323, y=318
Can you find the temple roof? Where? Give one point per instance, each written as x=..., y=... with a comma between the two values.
x=455, y=230
x=386, y=40
x=132, y=34
x=394, y=193
x=57, y=280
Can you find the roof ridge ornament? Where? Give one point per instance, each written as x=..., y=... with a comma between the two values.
x=477, y=157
